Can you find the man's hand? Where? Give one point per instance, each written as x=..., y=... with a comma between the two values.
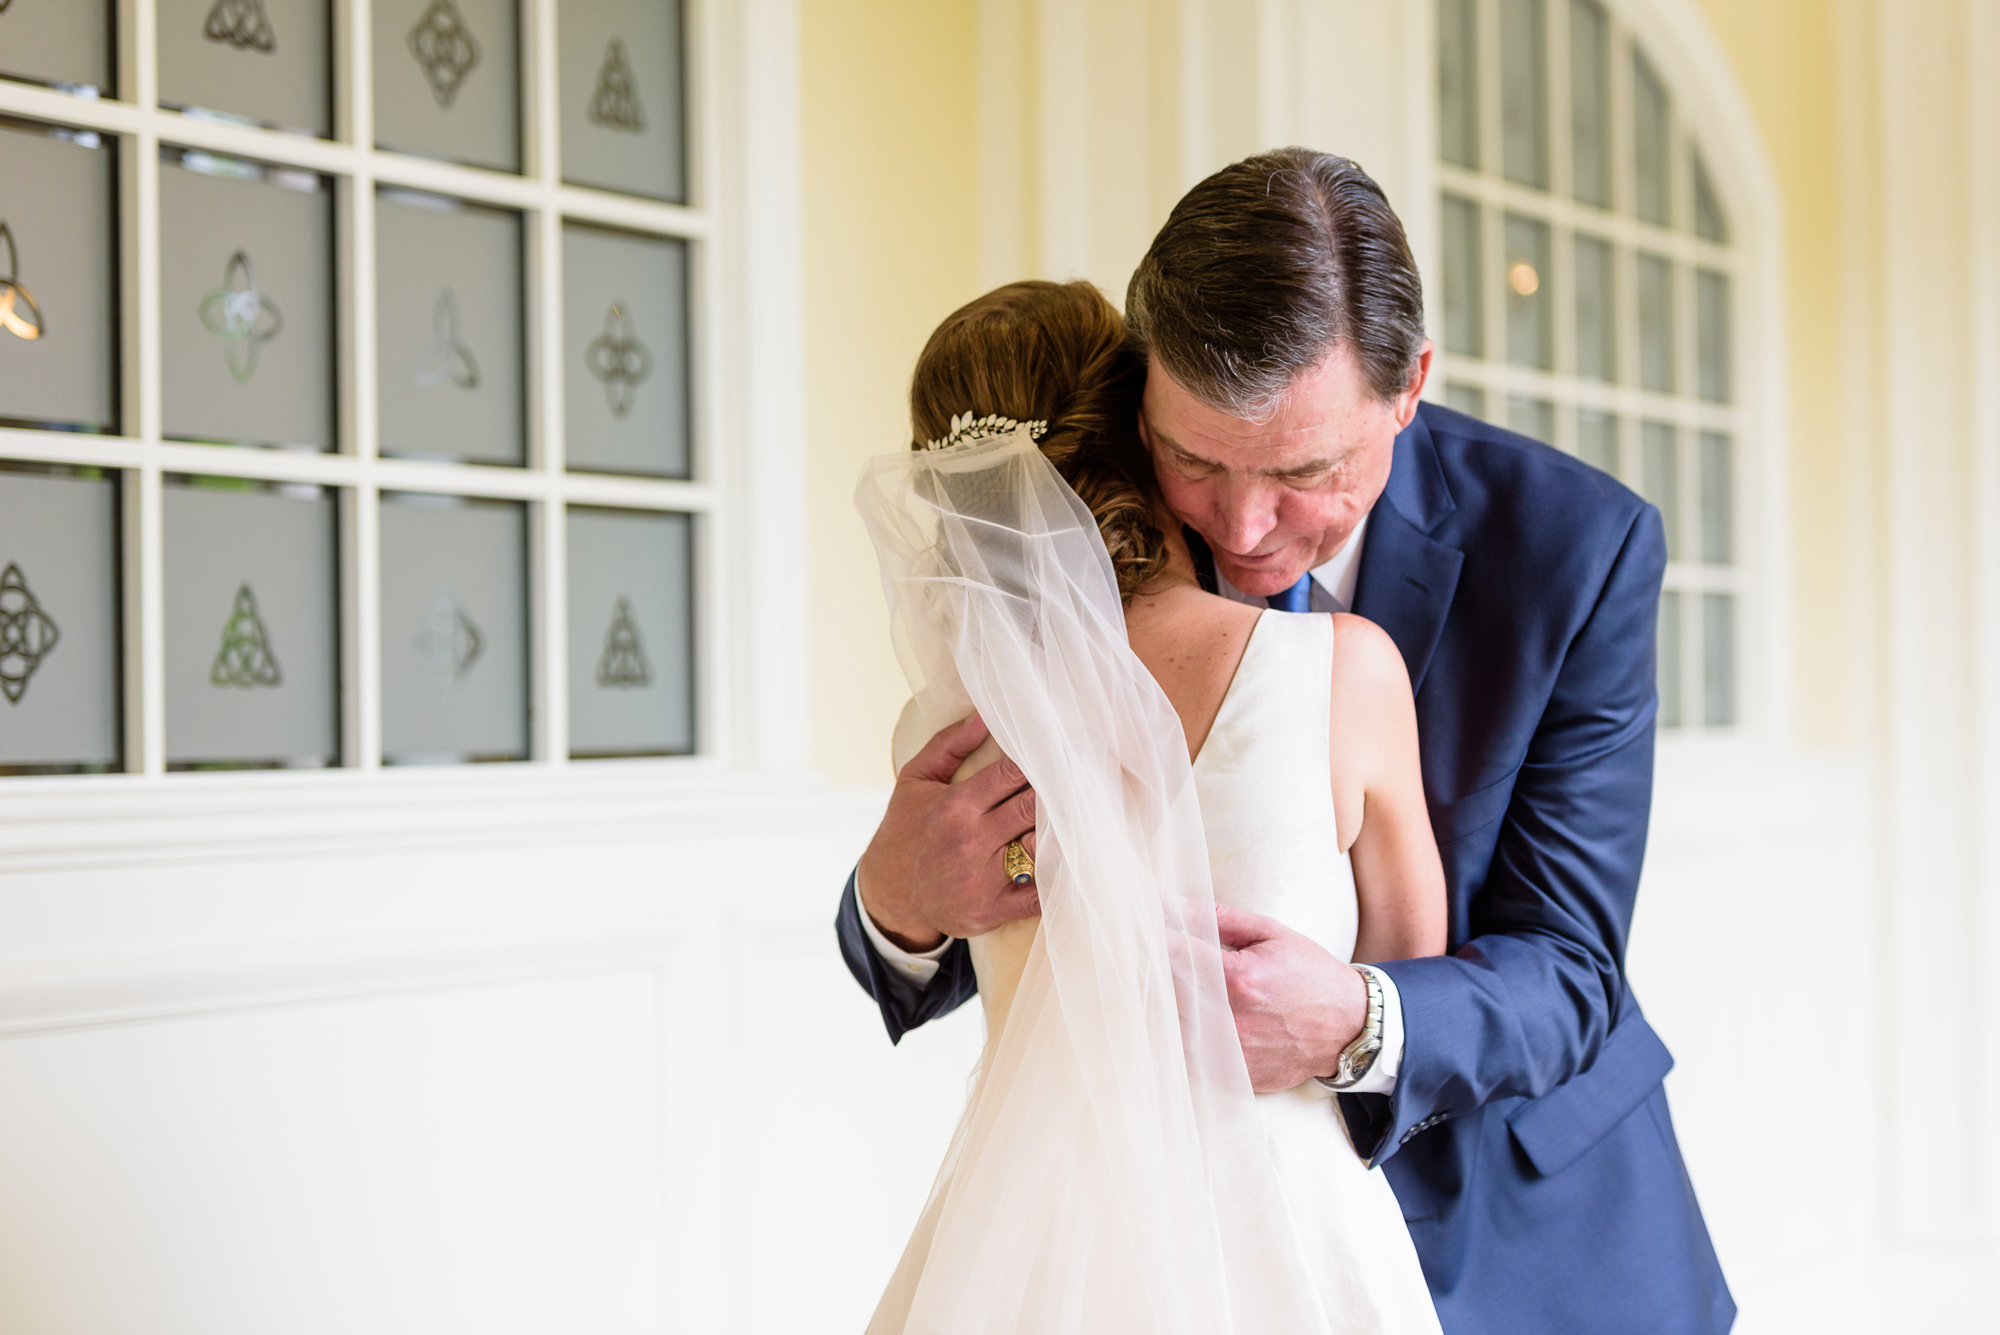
x=933, y=868
x=1296, y=1006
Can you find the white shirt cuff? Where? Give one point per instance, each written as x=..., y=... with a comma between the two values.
x=919, y=968
x=1381, y=1077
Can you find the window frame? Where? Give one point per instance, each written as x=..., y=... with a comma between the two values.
x=738, y=295
x=1753, y=420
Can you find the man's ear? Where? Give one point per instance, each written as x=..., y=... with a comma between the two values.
x=1413, y=392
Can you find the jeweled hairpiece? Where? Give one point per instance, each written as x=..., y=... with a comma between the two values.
x=965, y=428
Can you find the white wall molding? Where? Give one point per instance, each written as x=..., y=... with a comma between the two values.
x=1981, y=60
x=1005, y=53
x=107, y=824
x=755, y=151
x=1063, y=132
x=1932, y=697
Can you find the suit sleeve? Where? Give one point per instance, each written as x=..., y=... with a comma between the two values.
x=904, y=1006
x=1528, y=1001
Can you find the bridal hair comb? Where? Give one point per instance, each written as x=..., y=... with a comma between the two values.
x=966, y=428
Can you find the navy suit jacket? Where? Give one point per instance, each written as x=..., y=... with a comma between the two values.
x=1528, y=1138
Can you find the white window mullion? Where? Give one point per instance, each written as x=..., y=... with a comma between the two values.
x=358, y=395
x=548, y=592
x=541, y=129
x=144, y=521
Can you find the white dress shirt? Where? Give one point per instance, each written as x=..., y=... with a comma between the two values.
x=1332, y=591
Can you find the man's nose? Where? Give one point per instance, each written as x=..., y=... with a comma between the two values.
x=1248, y=511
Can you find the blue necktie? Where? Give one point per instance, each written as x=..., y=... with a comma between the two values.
x=1298, y=598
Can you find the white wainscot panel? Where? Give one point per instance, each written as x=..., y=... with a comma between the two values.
x=476, y=1159
x=476, y=1053
x=842, y=1132
x=1752, y=954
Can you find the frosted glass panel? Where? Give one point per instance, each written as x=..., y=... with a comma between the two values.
x=1709, y=220
x=1718, y=500
x=252, y=629
x=1596, y=311
x=631, y=633
x=1464, y=398
x=263, y=60
x=1590, y=103
x=620, y=87
x=1597, y=439
x=1458, y=82
x=448, y=79
x=1651, y=164
x=1531, y=334
x=1711, y=335
x=1718, y=660
x=1656, y=324
x=246, y=302
x=1524, y=92
x=448, y=307
x=454, y=630
x=59, y=682
x=58, y=308
x=1660, y=478
x=1464, y=304
x=625, y=352
x=1535, y=418
x=1670, y=660
x=56, y=42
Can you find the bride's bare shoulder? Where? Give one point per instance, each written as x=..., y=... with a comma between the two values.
x=1191, y=642
x=1367, y=665
x=1183, y=623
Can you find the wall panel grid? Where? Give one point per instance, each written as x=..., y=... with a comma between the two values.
x=359, y=388
x=1591, y=294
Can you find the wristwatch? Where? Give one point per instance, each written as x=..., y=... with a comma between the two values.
x=1358, y=1057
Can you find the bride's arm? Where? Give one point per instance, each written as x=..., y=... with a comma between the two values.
x=1376, y=778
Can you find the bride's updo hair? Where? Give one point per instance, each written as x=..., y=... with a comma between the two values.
x=1055, y=353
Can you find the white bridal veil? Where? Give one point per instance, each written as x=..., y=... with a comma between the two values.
x=1110, y=1172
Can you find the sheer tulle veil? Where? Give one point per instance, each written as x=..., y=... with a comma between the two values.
x=1110, y=1172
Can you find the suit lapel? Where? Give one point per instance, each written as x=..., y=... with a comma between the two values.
x=1407, y=577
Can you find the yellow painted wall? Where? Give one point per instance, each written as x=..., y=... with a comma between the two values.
x=890, y=144
x=1784, y=54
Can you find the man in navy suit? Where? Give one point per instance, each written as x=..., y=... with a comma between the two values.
x=1511, y=1089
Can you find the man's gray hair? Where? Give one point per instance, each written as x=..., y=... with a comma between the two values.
x=1268, y=265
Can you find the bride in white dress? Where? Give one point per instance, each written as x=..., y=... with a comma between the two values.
x=1113, y=1170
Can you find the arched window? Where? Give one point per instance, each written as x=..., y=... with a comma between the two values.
x=1588, y=272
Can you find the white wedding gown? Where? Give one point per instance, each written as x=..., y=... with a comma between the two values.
x=1112, y=1171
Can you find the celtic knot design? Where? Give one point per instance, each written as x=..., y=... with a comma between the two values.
x=245, y=660
x=444, y=357
x=241, y=24
x=19, y=314
x=615, y=104
x=240, y=315
x=445, y=48
x=448, y=642
x=619, y=359
x=26, y=634
x=623, y=665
